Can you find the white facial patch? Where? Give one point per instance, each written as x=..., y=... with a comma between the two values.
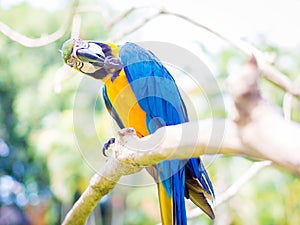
x=88, y=68
x=96, y=49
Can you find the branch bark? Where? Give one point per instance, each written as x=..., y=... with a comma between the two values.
x=268, y=136
x=179, y=142
x=45, y=39
x=100, y=185
x=261, y=127
x=129, y=160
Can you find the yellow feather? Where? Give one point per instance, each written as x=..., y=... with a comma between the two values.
x=166, y=206
x=115, y=49
x=125, y=103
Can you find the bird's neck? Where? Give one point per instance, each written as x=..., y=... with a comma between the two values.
x=114, y=49
x=114, y=71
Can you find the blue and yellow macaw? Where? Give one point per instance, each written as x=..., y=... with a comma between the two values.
x=139, y=92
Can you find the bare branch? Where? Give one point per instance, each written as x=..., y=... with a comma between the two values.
x=269, y=72
x=287, y=106
x=261, y=127
x=276, y=77
x=121, y=17
x=174, y=147
x=181, y=142
x=140, y=25
x=101, y=184
x=31, y=42
x=76, y=24
x=42, y=41
x=89, y=9
x=259, y=141
x=257, y=131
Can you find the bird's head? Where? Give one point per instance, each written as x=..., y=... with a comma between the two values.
x=92, y=58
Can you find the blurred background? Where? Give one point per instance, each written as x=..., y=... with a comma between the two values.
x=43, y=169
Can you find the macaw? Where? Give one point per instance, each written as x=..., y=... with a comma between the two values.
x=139, y=92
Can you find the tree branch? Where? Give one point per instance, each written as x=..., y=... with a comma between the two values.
x=119, y=18
x=175, y=147
x=42, y=41
x=137, y=27
x=181, y=142
x=100, y=185
x=104, y=181
x=268, y=138
x=261, y=127
x=269, y=71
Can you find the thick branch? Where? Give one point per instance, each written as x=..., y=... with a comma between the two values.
x=101, y=184
x=183, y=141
x=275, y=146
x=270, y=137
x=261, y=127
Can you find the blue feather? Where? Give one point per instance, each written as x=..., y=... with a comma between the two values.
x=158, y=95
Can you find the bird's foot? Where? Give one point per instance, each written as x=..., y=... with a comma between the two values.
x=124, y=135
x=107, y=145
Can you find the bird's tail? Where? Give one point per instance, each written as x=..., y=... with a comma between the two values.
x=171, y=196
x=198, y=186
x=190, y=181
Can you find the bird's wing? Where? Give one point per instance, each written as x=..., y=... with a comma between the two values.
x=158, y=95
x=154, y=87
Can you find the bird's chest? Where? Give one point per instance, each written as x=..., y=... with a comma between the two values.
x=126, y=105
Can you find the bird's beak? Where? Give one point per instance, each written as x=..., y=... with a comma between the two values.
x=86, y=55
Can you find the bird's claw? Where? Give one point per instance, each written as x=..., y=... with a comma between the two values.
x=107, y=145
